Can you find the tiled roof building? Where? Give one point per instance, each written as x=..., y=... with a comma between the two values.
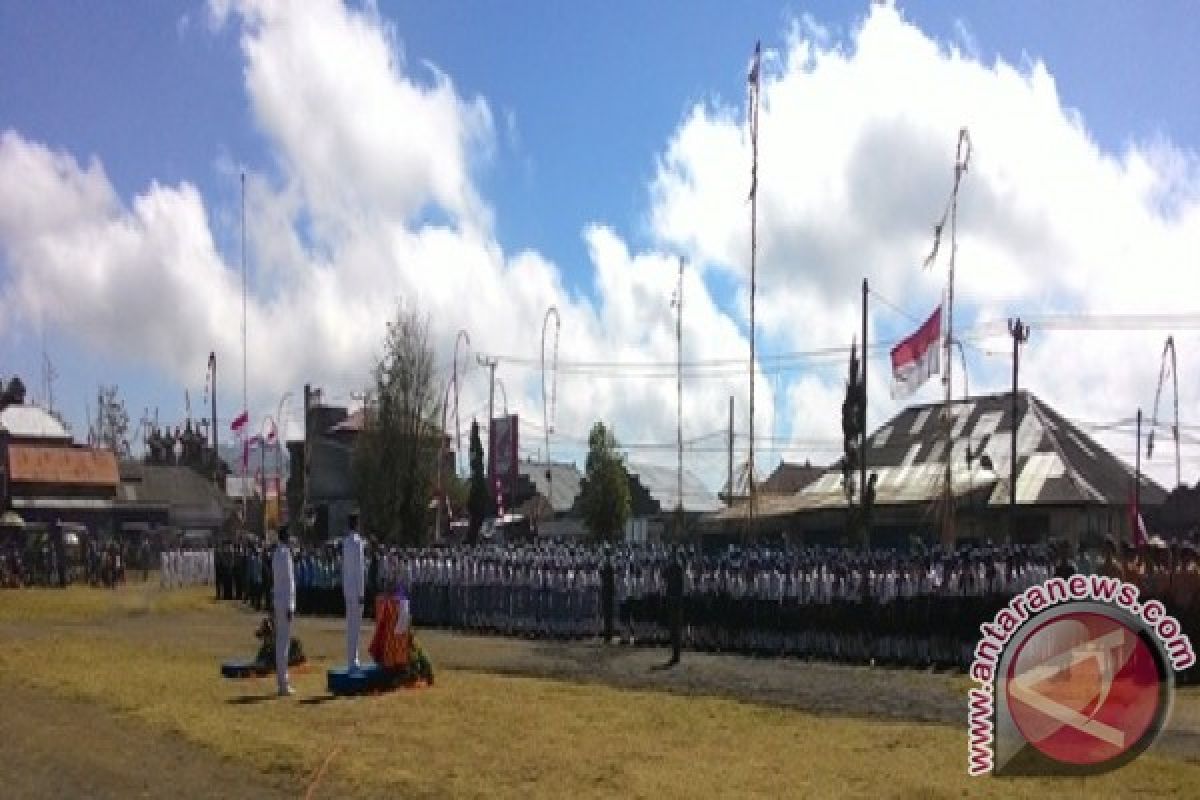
x=1067, y=484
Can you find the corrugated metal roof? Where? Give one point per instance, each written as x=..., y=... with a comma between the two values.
x=62, y=465
x=788, y=478
x=986, y=425
x=561, y=488
x=32, y=422
x=1039, y=467
x=1057, y=464
x=962, y=413
x=1029, y=435
x=663, y=485
x=880, y=439
x=894, y=486
x=186, y=493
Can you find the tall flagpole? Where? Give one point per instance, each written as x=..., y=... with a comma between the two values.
x=548, y=415
x=245, y=402
x=679, y=402
x=754, y=90
x=962, y=157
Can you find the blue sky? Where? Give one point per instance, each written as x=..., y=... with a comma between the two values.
x=584, y=99
x=594, y=88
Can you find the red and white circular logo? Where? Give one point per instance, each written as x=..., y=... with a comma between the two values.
x=1086, y=690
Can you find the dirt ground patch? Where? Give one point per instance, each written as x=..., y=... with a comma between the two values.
x=507, y=718
x=871, y=693
x=55, y=747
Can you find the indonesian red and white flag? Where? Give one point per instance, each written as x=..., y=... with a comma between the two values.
x=916, y=358
x=239, y=422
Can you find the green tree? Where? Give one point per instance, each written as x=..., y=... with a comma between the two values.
x=479, y=499
x=396, y=455
x=854, y=409
x=604, y=496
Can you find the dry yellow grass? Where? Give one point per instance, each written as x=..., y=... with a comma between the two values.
x=481, y=735
x=84, y=603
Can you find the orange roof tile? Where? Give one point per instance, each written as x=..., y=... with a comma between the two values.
x=62, y=465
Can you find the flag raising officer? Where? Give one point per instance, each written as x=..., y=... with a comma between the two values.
x=285, y=606
x=353, y=587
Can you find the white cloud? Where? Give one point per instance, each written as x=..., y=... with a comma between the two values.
x=371, y=204
x=371, y=200
x=856, y=154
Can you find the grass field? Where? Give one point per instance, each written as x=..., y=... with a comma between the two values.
x=477, y=734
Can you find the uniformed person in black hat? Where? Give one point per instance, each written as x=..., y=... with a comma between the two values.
x=674, y=581
x=608, y=589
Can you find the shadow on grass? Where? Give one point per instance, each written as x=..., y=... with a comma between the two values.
x=663, y=667
x=320, y=699
x=250, y=699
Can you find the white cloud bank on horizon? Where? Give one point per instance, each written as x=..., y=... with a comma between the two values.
x=857, y=141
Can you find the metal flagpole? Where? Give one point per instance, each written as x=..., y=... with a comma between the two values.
x=679, y=401
x=548, y=418
x=245, y=402
x=962, y=158
x=862, y=455
x=754, y=90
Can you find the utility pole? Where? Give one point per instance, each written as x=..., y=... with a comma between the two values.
x=212, y=369
x=730, y=498
x=548, y=416
x=262, y=474
x=679, y=400
x=1137, y=480
x=490, y=365
x=461, y=336
x=862, y=454
x=304, y=515
x=1020, y=334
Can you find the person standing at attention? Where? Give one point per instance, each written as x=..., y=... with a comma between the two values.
x=353, y=587
x=674, y=582
x=284, y=597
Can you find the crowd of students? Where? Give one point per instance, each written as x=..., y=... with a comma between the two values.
x=102, y=565
x=920, y=609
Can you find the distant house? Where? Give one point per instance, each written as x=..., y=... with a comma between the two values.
x=1067, y=484
x=46, y=479
x=789, y=478
x=655, y=499
x=546, y=494
x=187, y=500
x=324, y=460
x=549, y=494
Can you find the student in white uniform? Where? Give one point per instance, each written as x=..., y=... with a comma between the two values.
x=284, y=595
x=353, y=587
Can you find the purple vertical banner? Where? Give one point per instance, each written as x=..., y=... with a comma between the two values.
x=504, y=450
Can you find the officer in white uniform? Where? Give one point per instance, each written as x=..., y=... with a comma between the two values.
x=353, y=587
x=284, y=595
